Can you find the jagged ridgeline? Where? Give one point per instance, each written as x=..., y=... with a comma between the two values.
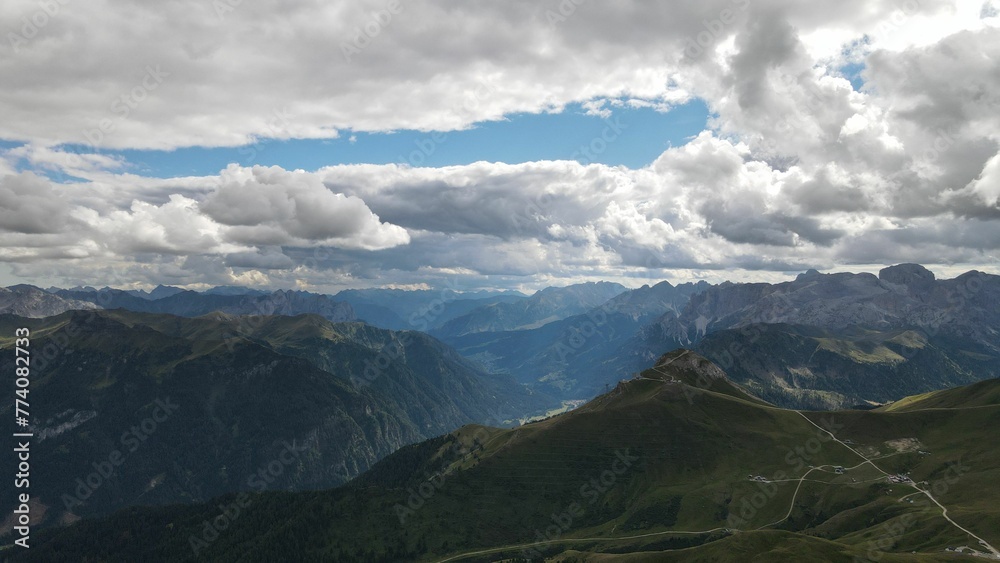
x=150, y=409
x=677, y=464
x=819, y=341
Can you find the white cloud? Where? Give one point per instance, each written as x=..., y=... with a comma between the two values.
x=798, y=168
x=178, y=74
x=29, y=205
x=272, y=206
x=208, y=226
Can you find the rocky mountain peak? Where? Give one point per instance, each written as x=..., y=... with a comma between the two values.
x=683, y=362
x=906, y=274
x=808, y=275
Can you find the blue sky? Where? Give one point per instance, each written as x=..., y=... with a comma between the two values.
x=644, y=134
x=853, y=72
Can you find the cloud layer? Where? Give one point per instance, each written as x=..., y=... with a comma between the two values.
x=799, y=168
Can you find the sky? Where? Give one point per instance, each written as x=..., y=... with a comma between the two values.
x=471, y=144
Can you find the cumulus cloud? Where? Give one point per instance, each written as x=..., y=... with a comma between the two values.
x=276, y=207
x=799, y=167
x=267, y=258
x=240, y=219
x=29, y=205
x=179, y=74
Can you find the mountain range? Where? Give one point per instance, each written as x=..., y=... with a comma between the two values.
x=819, y=341
x=574, y=358
x=395, y=309
x=140, y=408
x=902, y=296
x=309, y=432
x=676, y=464
x=545, y=306
x=193, y=304
x=29, y=301
x=837, y=340
x=419, y=309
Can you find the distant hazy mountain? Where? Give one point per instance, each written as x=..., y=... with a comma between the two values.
x=577, y=356
x=421, y=309
x=838, y=340
x=234, y=290
x=680, y=464
x=30, y=301
x=545, y=306
x=192, y=303
x=650, y=301
x=345, y=395
x=161, y=291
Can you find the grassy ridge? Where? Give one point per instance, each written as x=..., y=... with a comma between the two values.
x=674, y=450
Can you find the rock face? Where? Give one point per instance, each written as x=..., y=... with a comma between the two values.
x=32, y=302
x=830, y=341
x=903, y=296
x=913, y=276
x=690, y=367
x=575, y=357
x=906, y=274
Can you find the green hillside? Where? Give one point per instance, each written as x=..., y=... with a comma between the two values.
x=665, y=465
x=983, y=394
x=135, y=408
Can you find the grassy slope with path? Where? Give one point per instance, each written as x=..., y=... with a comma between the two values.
x=692, y=438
